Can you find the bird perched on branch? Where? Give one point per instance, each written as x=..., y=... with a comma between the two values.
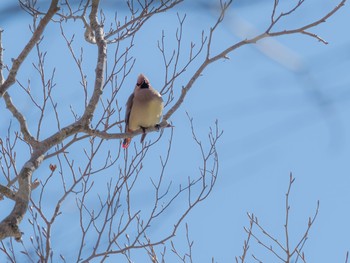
x=143, y=109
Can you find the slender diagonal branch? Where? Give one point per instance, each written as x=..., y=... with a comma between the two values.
x=21, y=120
x=308, y=26
x=11, y=78
x=7, y=192
x=223, y=54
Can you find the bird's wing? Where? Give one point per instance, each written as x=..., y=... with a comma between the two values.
x=128, y=110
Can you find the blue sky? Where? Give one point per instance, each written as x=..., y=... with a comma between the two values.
x=280, y=113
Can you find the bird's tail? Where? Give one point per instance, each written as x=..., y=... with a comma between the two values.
x=126, y=142
x=143, y=137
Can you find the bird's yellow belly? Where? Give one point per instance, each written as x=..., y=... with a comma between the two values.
x=145, y=115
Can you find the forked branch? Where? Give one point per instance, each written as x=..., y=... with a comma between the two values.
x=284, y=252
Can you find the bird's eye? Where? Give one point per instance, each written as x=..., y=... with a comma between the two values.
x=140, y=84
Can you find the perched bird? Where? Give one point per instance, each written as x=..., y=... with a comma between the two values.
x=143, y=108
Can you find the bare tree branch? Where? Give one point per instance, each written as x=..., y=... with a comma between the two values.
x=100, y=66
x=112, y=224
x=7, y=192
x=21, y=120
x=11, y=78
x=284, y=252
x=1, y=58
x=136, y=22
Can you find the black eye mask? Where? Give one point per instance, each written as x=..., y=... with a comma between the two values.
x=144, y=85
